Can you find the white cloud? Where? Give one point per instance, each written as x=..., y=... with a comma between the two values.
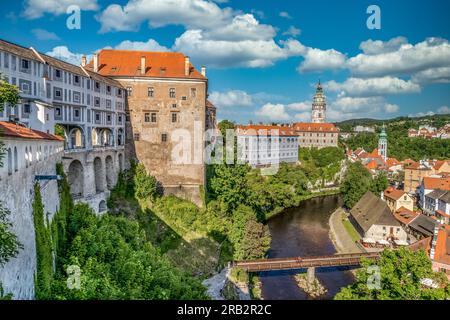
x=150, y=45
x=300, y=106
x=408, y=59
x=220, y=53
x=292, y=31
x=42, y=34
x=37, y=8
x=303, y=116
x=444, y=110
x=371, y=47
x=319, y=60
x=391, y=108
x=434, y=75
x=232, y=98
x=373, y=86
x=63, y=53
x=275, y=112
x=189, y=13
x=285, y=14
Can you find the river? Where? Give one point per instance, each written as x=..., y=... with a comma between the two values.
x=303, y=231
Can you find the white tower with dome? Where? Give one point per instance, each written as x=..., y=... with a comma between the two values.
x=319, y=106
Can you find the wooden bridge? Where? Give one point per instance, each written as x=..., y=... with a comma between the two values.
x=352, y=259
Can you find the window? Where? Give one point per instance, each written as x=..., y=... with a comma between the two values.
x=58, y=111
x=119, y=92
x=26, y=108
x=153, y=117
x=172, y=93
x=97, y=101
x=76, y=113
x=58, y=93
x=108, y=118
x=174, y=117
x=76, y=97
x=136, y=137
x=76, y=79
x=193, y=92
x=146, y=117
x=108, y=89
x=25, y=64
x=97, y=116
x=184, y=98
x=108, y=104
x=119, y=118
x=151, y=91
x=174, y=105
x=164, y=137
x=57, y=73
x=6, y=61
x=97, y=86
x=129, y=91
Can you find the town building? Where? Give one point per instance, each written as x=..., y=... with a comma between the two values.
x=440, y=250
x=429, y=185
x=437, y=203
x=429, y=132
x=167, y=111
x=395, y=199
x=416, y=171
x=375, y=222
x=316, y=135
x=319, y=106
x=363, y=129
x=263, y=145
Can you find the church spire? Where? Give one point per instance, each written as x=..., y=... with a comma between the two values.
x=319, y=105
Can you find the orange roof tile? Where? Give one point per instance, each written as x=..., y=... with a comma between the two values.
x=372, y=165
x=438, y=164
x=405, y=216
x=10, y=129
x=442, y=249
x=125, y=63
x=252, y=130
x=391, y=162
x=436, y=183
x=314, y=127
x=394, y=194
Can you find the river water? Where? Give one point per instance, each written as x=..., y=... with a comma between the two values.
x=303, y=231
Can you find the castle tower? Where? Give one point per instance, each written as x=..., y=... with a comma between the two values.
x=383, y=144
x=319, y=106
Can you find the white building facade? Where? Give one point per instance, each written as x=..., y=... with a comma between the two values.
x=260, y=145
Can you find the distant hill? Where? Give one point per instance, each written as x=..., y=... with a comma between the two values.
x=435, y=120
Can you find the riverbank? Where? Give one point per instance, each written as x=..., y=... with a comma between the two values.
x=342, y=240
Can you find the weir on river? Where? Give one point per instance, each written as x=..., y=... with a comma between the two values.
x=303, y=231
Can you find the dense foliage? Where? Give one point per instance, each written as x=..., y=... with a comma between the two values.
x=9, y=93
x=400, y=146
x=117, y=262
x=44, y=259
x=358, y=181
x=145, y=185
x=401, y=272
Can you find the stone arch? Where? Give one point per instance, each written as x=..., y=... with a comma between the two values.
x=76, y=138
x=76, y=178
x=16, y=160
x=106, y=137
x=120, y=162
x=102, y=206
x=109, y=165
x=98, y=172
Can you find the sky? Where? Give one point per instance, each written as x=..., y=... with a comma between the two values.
x=265, y=57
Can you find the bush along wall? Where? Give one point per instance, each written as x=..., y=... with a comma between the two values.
x=44, y=257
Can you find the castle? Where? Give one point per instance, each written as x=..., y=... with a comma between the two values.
x=119, y=106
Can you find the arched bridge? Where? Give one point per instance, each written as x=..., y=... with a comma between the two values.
x=352, y=259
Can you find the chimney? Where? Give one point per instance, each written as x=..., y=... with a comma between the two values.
x=143, y=65
x=204, y=71
x=95, y=62
x=83, y=61
x=186, y=66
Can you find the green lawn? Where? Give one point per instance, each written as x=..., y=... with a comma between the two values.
x=351, y=229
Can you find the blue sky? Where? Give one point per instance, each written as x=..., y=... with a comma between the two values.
x=263, y=58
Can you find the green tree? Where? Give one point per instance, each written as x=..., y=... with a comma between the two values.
x=401, y=273
x=225, y=125
x=379, y=183
x=145, y=185
x=9, y=93
x=357, y=182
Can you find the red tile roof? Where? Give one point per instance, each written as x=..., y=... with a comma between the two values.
x=442, y=249
x=372, y=165
x=436, y=183
x=405, y=216
x=314, y=127
x=394, y=194
x=125, y=63
x=438, y=164
x=10, y=129
x=391, y=162
x=252, y=130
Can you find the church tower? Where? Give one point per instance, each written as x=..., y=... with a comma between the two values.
x=383, y=144
x=319, y=106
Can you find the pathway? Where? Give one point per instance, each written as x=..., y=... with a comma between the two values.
x=339, y=235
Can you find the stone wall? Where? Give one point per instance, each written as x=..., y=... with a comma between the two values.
x=16, y=190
